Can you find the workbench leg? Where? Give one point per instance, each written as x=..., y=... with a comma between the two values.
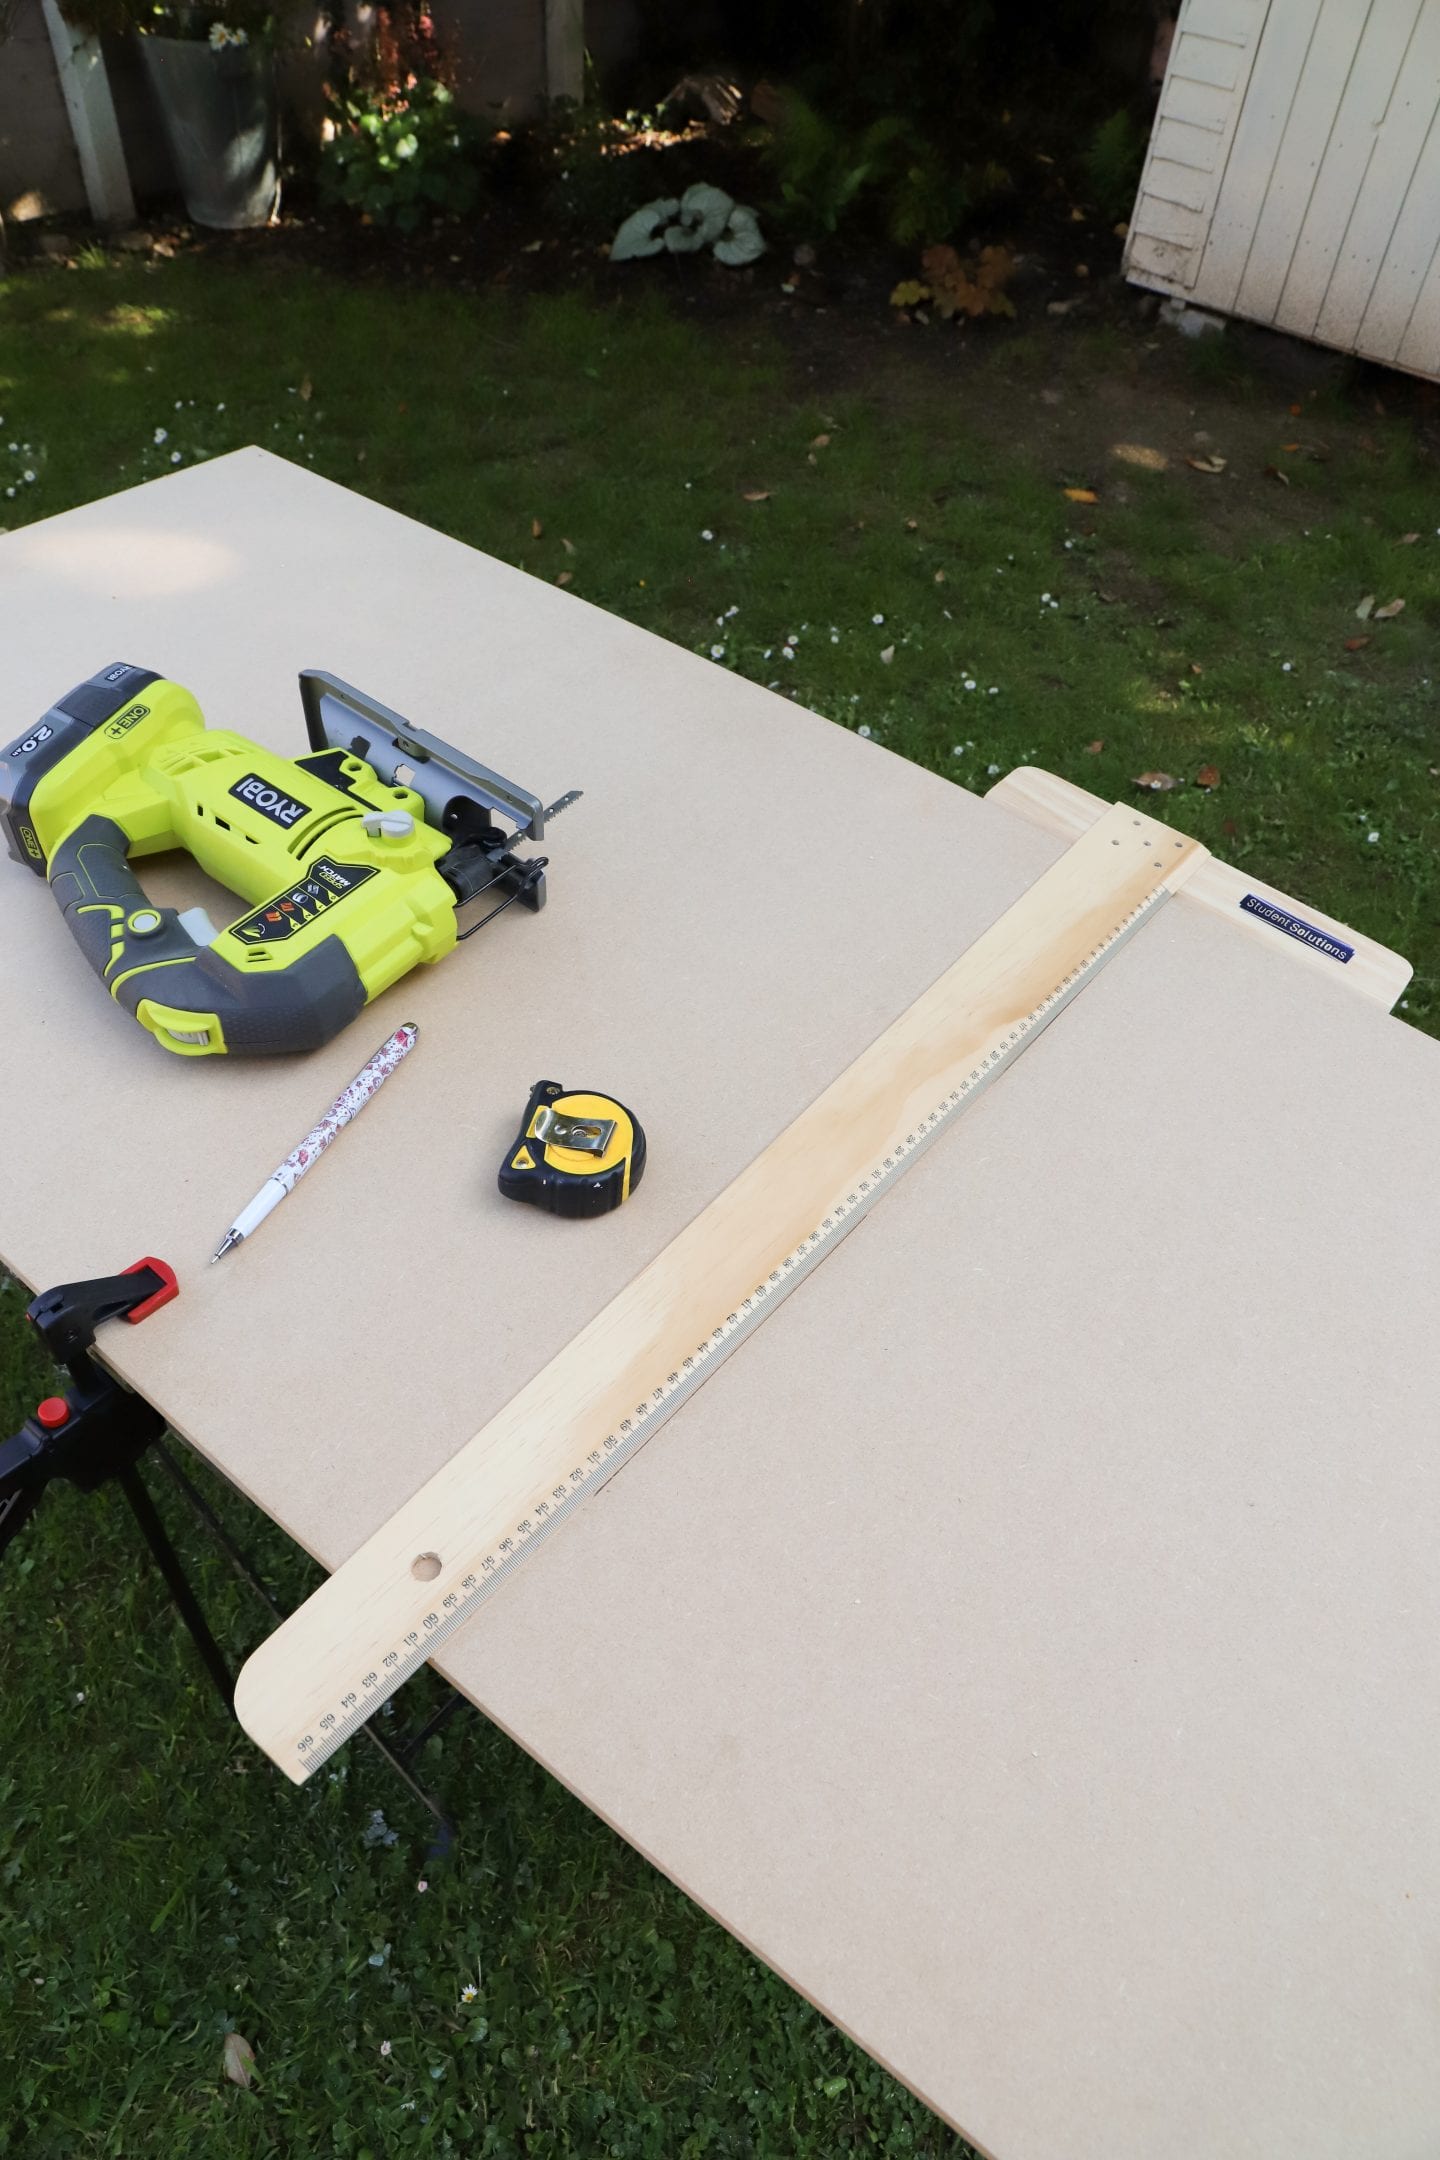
x=398, y=1758
x=177, y=1582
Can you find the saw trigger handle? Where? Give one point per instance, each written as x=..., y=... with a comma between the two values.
x=105, y=905
x=187, y=995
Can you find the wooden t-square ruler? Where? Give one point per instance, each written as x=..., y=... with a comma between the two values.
x=382, y=1613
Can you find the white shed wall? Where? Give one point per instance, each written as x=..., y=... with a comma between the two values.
x=1293, y=175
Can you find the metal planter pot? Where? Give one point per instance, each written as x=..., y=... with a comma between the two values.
x=221, y=118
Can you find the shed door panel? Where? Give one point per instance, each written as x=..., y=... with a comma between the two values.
x=1334, y=42
x=1420, y=346
x=1274, y=79
x=1294, y=172
x=1390, y=29
x=1390, y=214
x=1200, y=104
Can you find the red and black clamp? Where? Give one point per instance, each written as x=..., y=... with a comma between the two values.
x=97, y=1429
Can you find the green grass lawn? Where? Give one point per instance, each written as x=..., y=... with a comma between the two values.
x=914, y=569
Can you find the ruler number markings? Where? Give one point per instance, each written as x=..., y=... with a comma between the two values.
x=417, y=1645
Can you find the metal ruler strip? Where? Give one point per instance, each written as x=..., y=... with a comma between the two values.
x=388, y=1608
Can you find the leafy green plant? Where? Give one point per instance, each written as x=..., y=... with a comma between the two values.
x=913, y=190
x=1113, y=161
x=681, y=225
x=403, y=156
x=926, y=199
x=824, y=168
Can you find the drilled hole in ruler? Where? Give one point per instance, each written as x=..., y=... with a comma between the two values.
x=425, y=1566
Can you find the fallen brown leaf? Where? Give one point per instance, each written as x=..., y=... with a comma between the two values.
x=1195, y=668
x=820, y=442
x=569, y=546
x=1208, y=777
x=1273, y=472
x=1093, y=749
x=566, y=577
x=1356, y=644
x=237, y=2060
x=1081, y=495
x=757, y=495
x=912, y=524
x=1295, y=411
x=1407, y=540
x=307, y=388
x=1207, y=464
x=536, y=528
x=1140, y=454
x=1158, y=783
x=939, y=577
x=1391, y=609
x=1290, y=448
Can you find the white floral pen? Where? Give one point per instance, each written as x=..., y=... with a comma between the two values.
x=370, y=1077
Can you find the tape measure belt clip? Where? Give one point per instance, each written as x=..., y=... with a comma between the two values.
x=576, y=1153
x=586, y=1136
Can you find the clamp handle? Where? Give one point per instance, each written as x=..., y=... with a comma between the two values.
x=66, y=1317
x=96, y=1429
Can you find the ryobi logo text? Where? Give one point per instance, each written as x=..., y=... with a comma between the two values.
x=131, y=717
x=259, y=795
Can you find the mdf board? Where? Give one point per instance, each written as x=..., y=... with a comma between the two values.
x=1030, y=1641
x=1298, y=185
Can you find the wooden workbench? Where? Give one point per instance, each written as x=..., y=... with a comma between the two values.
x=1030, y=1642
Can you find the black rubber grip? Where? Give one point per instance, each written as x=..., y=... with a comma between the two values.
x=266, y=1010
x=98, y=893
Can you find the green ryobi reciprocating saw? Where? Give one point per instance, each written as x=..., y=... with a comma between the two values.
x=353, y=859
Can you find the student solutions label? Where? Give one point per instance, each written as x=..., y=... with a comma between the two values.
x=1279, y=918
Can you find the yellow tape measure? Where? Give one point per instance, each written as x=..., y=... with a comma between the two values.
x=576, y=1153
